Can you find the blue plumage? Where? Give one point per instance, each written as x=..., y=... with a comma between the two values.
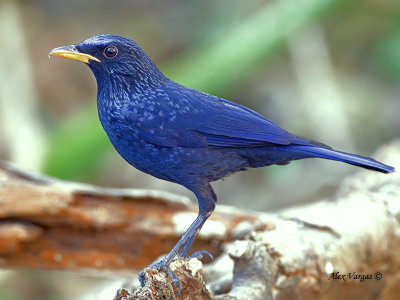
x=184, y=135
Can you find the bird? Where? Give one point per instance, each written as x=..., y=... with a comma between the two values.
x=183, y=135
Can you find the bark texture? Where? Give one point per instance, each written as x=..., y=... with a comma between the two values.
x=344, y=247
x=52, y=224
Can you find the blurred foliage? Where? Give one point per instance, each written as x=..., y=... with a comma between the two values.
x=76, y=146
x=243, y=51
x=221, y=63
x=240, y=50
x=387, y=52
x=8, y=296
x=215, y=66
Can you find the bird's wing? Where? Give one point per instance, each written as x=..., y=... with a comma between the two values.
x=189, y=118
x=230, y=124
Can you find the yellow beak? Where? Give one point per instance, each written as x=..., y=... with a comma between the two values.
x=72, y=53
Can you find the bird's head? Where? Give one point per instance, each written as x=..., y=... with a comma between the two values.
x=114, y=58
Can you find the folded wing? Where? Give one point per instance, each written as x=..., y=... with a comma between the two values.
x=196, y=119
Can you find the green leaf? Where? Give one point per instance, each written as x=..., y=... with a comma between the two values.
x=387, y=52
x=222, y=63
x=76, y=146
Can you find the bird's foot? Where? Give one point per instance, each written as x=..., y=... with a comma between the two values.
x=163, y=265
x=198, y=254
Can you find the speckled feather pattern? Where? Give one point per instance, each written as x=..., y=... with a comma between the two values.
x=186, y=136
x=158, y=132
x=180, y=134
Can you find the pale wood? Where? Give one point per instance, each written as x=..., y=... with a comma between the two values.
x=53, y=224
x=301, y=255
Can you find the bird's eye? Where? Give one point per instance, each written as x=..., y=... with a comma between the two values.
x=110, y=51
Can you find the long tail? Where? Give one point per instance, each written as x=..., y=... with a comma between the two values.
x=353, y=159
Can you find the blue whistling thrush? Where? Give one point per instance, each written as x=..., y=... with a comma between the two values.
x=183, y=135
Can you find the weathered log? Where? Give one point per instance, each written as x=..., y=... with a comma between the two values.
x=344, y=247
x=53, y=224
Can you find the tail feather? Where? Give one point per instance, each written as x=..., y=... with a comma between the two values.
x=353, y=159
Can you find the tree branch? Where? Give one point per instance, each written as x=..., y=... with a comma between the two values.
x=344, y=247
x=333, y=249
x=53, y=224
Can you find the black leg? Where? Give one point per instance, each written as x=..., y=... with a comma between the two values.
x=189, y=242
x=206, y=198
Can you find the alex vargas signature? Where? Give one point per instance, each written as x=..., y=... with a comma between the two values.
x=354, y=276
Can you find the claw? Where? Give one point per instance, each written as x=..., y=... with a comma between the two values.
x=141, y=278
x=183, y=244
x=162, y=266
x=175, y=279
x=200, y=254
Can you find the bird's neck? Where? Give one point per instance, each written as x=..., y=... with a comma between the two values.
x=114, y=93
x=133, y=84
x=135, y=77
x=119, y=86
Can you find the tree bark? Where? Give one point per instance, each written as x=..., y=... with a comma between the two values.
x=53, y=224
x=344, y=247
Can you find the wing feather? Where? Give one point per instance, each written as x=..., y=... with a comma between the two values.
x=184, y=117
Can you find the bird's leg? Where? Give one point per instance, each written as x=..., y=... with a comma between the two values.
x=206, y=198
x=198, y=254
x=189, y=243
x=164, y=263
